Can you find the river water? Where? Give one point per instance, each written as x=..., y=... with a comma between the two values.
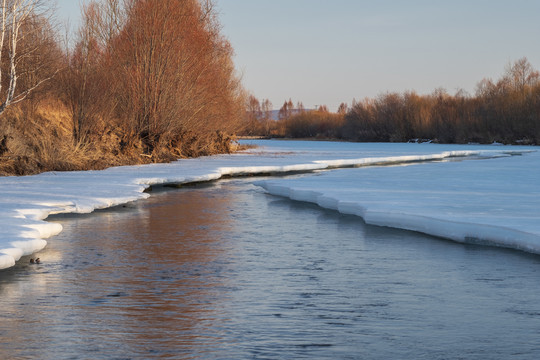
x=225, y=271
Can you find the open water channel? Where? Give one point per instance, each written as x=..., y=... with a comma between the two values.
x=225, y=271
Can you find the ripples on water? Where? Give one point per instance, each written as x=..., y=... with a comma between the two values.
x=227, y=272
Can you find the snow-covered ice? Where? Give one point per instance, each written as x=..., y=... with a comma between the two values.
x=493, y=200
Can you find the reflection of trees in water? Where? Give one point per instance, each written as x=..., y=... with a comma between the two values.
x=179, y=251
x=170, y=263
x=142, y=279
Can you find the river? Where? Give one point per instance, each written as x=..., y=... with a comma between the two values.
x=239, y=274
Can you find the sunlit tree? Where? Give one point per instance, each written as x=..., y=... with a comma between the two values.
x=25, y=38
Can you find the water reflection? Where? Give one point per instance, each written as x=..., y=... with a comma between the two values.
x=142, y=279
x=225, y=271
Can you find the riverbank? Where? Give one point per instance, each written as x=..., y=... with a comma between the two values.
x=40, y=139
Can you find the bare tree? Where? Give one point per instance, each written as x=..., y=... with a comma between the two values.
x=82, y=80
x=17, y=25
x=342, y=109
x=175, y=73
x=521, y=74
x=286, y=110
x=266, y=108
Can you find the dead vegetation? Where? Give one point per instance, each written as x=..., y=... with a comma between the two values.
x=42, y=140
x=503, y=111
x=145, y=81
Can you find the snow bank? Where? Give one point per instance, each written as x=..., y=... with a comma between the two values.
x=25, y=202
x=495, y=202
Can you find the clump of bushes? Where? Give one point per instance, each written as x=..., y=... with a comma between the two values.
x=506, y=111
x=145, y=81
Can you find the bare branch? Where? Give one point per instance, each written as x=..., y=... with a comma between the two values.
x=20, y=24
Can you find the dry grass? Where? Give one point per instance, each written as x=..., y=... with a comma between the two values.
x=39, y=139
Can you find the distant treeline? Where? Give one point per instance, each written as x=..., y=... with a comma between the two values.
x=506, y=111
x=141, y=81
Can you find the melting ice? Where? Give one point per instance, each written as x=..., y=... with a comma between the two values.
x=493, y=199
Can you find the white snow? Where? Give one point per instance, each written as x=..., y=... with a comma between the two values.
x=493, y=200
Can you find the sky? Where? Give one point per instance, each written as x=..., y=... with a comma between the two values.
x=332, y=51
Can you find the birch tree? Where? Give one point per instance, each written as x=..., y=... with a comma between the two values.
x=18, y=22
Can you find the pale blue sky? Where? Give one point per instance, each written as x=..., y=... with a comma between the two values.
x=331, y=51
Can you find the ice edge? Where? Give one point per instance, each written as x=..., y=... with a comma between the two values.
x=462, y=232
x=33, y=229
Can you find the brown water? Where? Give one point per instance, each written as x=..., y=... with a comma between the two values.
x=227, y=272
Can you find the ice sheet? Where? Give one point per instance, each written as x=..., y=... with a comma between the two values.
x=494, y=201
x=25, y=202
